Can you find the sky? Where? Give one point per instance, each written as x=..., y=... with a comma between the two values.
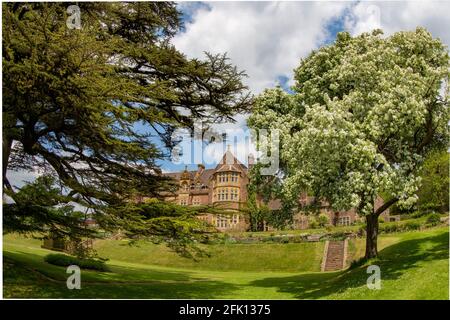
x=268, y=39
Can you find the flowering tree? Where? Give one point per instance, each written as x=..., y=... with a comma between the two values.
x=364, y=113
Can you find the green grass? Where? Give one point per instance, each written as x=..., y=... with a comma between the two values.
x=292, y=257
x=414, y=265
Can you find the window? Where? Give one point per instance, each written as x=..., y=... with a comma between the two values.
x=224, y=177
x=196, y=201
x=221, y=221
x=344, y=221
x=234, y=195
x=183, y=202
x=235, y=219
x=226, y=194
x=223, y=194
x=234, y=177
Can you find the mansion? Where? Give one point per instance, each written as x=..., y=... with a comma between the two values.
x=225, y=187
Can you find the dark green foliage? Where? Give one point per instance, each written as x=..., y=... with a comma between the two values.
x=72, y=110
x=322, y=220
x=159, y=221
x=63, y=260
x=40, y=207
x=412, y=225
x=434, y=219
x=434, y=188
x=261, y=190
x=313, y=224
x=87, y=106
x=407, y=225
x=434, y=191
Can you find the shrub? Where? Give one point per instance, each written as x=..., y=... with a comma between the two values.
x=433, y=219
x=64, y=260
x=322, y=220
x=412, y=225
x=389, y=228
x=313, y=224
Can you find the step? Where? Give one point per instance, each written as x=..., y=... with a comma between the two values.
x=334, y=255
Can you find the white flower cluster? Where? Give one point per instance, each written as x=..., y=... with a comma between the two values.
x=361, y=108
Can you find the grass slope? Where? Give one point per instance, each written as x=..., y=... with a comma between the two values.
x=292, y=257
x=414, y=265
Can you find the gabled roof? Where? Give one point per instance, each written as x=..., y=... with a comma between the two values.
x=204, y=176
x=230, y=163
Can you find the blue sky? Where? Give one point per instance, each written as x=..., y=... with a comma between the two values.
x=268, y=39
x=190, y=11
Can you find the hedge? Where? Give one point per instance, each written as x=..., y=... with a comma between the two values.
x=64, y=260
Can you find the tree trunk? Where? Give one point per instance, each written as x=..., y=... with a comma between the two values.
x=372, y=235
x=7, y=144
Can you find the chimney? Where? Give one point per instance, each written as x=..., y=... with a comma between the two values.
x=251, y=160
x=201, y=167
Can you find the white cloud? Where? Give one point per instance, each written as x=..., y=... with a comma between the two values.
x=400, y=16
x=266, y=39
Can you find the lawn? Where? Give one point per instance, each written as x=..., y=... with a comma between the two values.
x=414, y=265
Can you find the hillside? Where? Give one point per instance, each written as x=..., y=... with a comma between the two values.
x=414, y=265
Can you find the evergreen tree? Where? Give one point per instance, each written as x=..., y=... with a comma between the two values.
x=87, y=104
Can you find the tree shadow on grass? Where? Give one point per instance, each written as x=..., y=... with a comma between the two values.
x=394, y=261
x=28, y=276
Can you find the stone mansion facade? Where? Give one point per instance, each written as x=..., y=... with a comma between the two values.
x=225, y=187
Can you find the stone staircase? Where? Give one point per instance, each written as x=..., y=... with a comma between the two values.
x=335, y=255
